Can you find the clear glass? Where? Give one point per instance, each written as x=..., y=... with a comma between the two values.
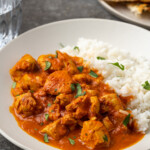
x=10, y=20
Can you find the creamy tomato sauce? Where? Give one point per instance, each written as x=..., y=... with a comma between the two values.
x=60, y=101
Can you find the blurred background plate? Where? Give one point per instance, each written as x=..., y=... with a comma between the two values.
x=122, y=12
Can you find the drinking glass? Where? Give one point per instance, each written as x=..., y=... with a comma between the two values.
x=10, y=20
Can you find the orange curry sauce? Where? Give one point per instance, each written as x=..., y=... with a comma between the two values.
x=33, y=78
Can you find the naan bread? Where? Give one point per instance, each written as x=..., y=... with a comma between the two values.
x=147, y=1
x=138, y=8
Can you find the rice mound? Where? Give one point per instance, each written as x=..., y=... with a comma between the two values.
x=126, y=82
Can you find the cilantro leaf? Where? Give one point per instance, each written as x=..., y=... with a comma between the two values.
x=146, y=85
x=118, y=65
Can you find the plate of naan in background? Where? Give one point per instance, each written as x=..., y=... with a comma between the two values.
x=134, y=11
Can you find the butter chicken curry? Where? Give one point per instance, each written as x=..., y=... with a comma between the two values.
x=63, y=102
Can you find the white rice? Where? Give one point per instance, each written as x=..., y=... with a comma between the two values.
x=126, y=82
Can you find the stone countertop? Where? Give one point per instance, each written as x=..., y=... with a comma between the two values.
x=39, y=12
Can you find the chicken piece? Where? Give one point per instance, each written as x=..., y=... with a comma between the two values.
x=78, y=60
x=56, y=64
x=80, y=106
x=25, y=104
x=31, y=82
x=80, y=78
x=92, y=92
x=110, y=102
x=94, y=134
x=40, y=95
x=64, y=99
x=54, y=112
x=55, y=130
x=25, y=64
x=108, y=124
x=68, y=62
x=58, y=82
x=68, y=120
x=95, y=106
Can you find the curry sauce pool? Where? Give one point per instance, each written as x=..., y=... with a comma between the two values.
x=61, y=101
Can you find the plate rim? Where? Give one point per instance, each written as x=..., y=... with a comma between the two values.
x=3, y=133
x=120, y=15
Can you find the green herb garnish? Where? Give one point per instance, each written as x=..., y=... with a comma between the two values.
x=49, y=104
x=47, y=65
x=86, y=134
x=118, y=65
x=31, y=91
x=126, y=120
x=80, y=68
x=76, y=48
x=56, y=56
x=72, y=86
x=46, y=138
x=17, y=95
x=14, y=85
x=100, y=58
x=93, y=74
x=49, y=56
x=105, y=138
x=74, y=137
x=61, y=45
x=55, y=90
x=72, y=142
x=41, y=123
x=146, y=85
x=35, y=129
x=79, y=91
x=46, y=116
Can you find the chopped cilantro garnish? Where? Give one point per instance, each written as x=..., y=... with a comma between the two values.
x=126, y=120
x=80, y=68
x=46, y=138
x=105, y=138
x=72, y=86
x=31, y=91
x=118, y=65
x=72, y=142
x=79, y=91
x=49, y=104
x=146, y=85
x=93, y=74
x=14, y=85
x=47, y=65
x=41, y=123
x=100, y=58
x=46, y=116
x=56, y=56
x=76, y=48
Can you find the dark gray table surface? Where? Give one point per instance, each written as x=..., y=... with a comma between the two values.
x=39, y=12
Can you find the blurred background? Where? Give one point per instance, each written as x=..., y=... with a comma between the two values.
x=39, y=12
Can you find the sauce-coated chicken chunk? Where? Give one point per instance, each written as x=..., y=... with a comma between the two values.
x=25, y=104
x=94, y=134
x=58, y=82
x=25, y=64
x=55, y=130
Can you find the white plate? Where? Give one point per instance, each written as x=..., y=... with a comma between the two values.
x=46, y=39
x=124, y=13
